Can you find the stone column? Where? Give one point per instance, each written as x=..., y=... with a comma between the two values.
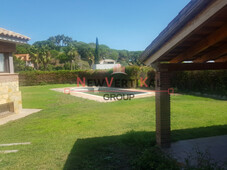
x=162, y=99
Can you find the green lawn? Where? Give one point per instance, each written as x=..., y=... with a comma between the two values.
x=75, y=133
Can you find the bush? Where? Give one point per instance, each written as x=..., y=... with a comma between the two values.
x=203, y=82
x=67, y=76
x=20, y=65
x=154, y=158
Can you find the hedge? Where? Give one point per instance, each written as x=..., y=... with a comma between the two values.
x=61, y=77
x=201, y=82
x=210, y=82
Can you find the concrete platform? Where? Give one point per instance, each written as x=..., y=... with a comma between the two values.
x=213, y=147
x=12, y=117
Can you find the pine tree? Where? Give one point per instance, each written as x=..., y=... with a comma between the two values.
x=97, y=52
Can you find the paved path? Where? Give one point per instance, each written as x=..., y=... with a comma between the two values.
x=215, y=146
x=13, y=144
x=9, y=151
x=24, y=113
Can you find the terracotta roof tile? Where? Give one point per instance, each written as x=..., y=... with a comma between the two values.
x=13, y=34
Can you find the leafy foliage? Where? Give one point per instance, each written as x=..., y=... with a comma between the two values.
x=154, y=158
x=97, y=58
x=210, y=82
x=66, y=76
x=205, y=82
x=20, y=65
x=61, y=52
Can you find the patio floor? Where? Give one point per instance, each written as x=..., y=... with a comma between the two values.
x=213, y=147
x=24, y=113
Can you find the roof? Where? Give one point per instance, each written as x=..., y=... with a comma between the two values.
x=11, y=36
x=190, y=19
x=25, y=57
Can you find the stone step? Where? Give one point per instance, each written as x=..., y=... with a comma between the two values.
x=5, y=114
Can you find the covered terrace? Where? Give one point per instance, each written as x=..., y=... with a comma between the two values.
x=196, y=39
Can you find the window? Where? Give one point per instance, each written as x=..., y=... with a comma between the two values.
x=2, y=63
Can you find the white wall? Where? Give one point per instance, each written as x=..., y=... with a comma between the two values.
x=103, y=66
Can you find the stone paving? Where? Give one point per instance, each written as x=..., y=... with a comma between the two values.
x=214, y=147
x=23, y=113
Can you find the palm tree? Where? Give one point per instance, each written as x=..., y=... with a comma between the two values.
x=73, y=57
x=45, y=56
x=34, y=54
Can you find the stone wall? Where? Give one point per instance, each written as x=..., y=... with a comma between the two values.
x=9, y=92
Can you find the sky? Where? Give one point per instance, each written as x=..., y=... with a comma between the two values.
x=119, y=24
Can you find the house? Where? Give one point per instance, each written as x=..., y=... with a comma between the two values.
x=26, y=58
x=10, y=96
x=107, y=61
x=105, y=64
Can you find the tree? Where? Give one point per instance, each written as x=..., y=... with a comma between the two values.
x=97, y=58
x=34, y=54
x=61, y=40
x=40, y=44
x=67, y=40
x=40, y=56
x=123, y=57
x=86, y=52
x=61, y=52
x=45, y=56
x=104, y=51
x=54, y=57
x=73, y=57
x=20, y=65
x=114, y=55
x=134, y=58
x=23, y=48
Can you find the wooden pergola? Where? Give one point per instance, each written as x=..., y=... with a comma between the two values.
x=196, y=39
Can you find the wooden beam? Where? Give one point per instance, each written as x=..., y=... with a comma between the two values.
x=212, y=55
x=162, y=103
x=199, y=21
x=191, y=66
x=212, y=39
x=7, y=47
x=221, y=59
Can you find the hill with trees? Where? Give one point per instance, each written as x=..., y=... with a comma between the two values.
x=63, y=53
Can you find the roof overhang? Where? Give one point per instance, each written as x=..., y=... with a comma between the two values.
x=12, y=39
x=199, y=29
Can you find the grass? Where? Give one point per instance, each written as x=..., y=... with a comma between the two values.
x=75, y=133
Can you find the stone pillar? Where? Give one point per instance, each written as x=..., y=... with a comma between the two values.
x=10, y=96
x=162, y=100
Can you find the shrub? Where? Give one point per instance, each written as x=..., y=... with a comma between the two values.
x=203, y=82
x=67, y=76
x=154, y=158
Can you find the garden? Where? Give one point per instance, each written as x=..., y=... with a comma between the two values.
x=76, y=133
x=68, y=102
